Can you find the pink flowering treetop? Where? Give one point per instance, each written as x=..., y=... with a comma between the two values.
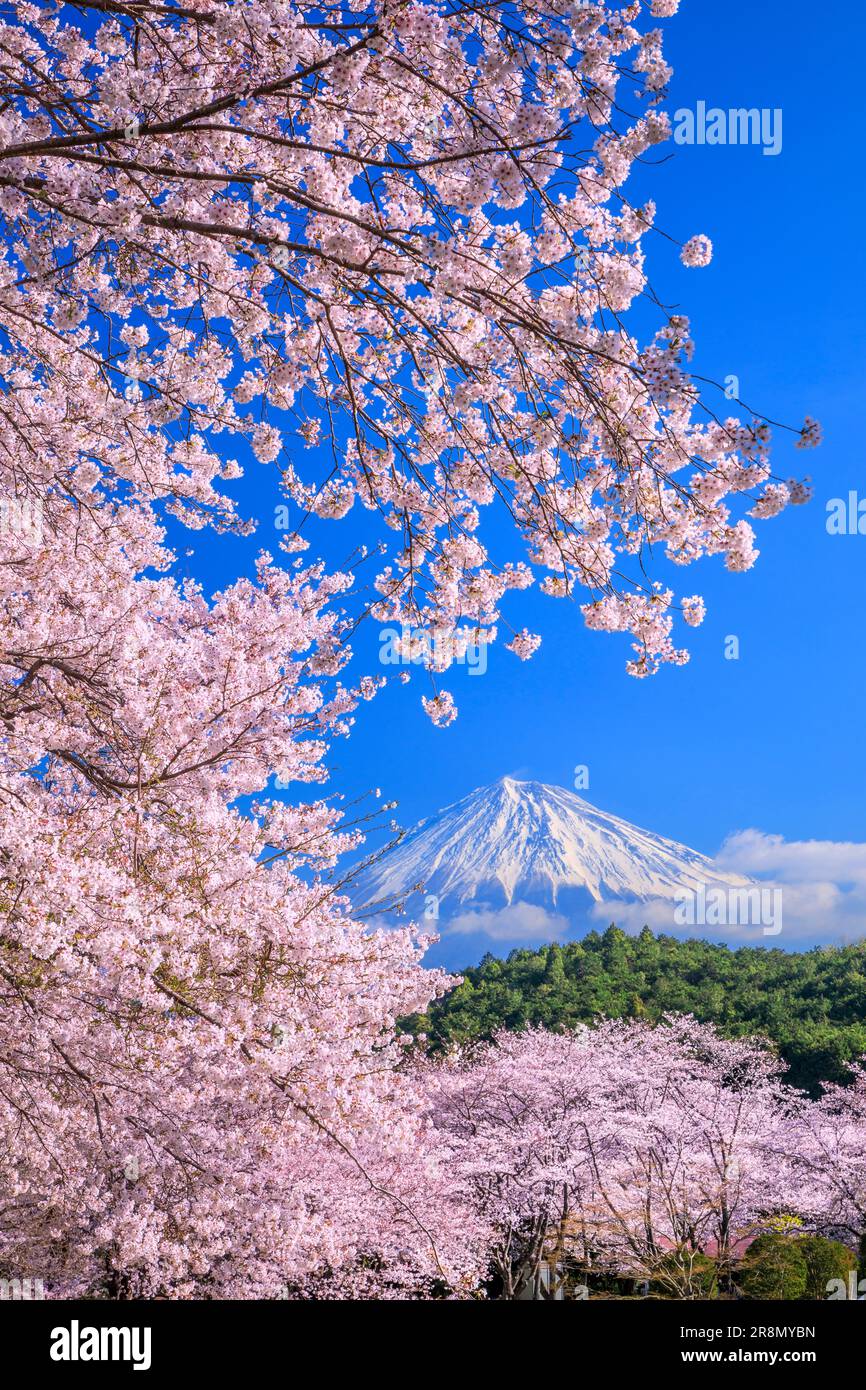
x=831, y=1158
x=200, y=1090
x=390, y=249
x=621, y=1148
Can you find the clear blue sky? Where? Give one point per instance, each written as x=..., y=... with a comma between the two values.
x=774, y=740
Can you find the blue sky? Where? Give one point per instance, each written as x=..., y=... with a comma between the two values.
x=773, y=740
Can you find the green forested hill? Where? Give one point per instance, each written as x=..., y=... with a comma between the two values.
x=811, y=1004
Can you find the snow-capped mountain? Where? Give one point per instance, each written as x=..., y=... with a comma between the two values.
x=528, y=843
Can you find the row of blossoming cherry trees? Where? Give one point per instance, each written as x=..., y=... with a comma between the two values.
x=386, y=249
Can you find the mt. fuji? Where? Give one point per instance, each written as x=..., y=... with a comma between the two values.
x=520, y=861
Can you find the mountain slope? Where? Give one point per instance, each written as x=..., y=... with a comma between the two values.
x=526, y=842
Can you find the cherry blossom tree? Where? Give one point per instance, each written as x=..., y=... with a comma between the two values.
x=519, y=1111
x=388, y=249
x=200, y=1092
x=831, y=1159
x=622, y=1148
x=395, y=233
x=697, y=1155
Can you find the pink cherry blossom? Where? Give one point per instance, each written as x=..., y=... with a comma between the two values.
x=239, y=235
x=363, y=300
x=697, y=252
x=636, y=1150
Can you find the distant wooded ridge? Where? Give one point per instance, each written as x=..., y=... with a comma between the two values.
x=810, y=1004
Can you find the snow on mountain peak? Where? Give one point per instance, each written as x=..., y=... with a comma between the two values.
x=524, y=841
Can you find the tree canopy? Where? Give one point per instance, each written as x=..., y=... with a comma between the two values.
x=811, y=1004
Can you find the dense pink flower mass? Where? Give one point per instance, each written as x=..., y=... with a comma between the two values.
x=390, y=250
x=367, y=247
x=199, y=1071
x=638, y=1150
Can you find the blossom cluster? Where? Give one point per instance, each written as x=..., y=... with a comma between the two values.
x=638, y=1150
x=367, y=258
x=372, y=256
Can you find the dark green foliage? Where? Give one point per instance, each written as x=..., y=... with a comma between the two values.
x=812, y=1004
x=774, y=1267
x=825, y=1260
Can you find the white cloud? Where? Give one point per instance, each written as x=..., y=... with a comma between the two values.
x=822, y=886
x=795, y=861
x=518, y=922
